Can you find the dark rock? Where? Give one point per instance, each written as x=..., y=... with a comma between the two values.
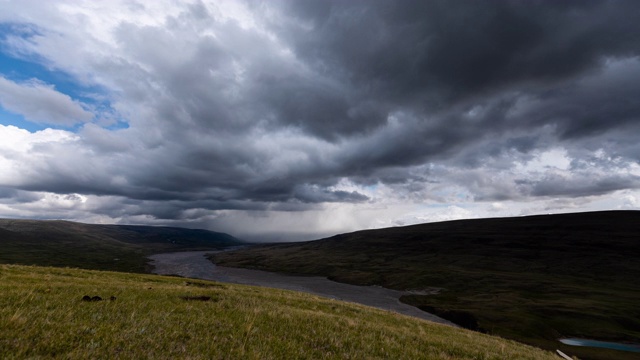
x=86, y=298
x=96, y=298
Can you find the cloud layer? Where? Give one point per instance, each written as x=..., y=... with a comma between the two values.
x=316, y=117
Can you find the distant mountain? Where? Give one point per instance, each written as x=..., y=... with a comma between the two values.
x=99, y=247
x=533, y=279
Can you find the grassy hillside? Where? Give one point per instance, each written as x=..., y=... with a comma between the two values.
x=100, y=247
x=153, y=317
x=532, y=279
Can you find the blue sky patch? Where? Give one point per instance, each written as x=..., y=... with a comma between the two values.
x=22, y=67
x=9, y=118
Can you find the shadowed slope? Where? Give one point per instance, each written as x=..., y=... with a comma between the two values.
x=101, y=247
x=533, y=279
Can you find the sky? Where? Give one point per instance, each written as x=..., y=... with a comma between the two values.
x=285, y=120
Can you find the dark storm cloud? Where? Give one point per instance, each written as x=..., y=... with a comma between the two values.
x=437, y=61
x=432, y=59
x=457, y=49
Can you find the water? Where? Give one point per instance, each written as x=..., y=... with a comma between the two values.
x=601, y=344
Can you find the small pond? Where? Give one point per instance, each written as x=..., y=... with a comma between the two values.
x=601, y=344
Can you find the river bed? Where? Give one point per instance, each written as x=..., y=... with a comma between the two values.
x=194, y=264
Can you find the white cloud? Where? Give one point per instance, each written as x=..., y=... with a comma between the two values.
x=555, y=158
x=22, y=152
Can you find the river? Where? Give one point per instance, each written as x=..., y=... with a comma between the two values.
x=601, y=344
x=194, y=264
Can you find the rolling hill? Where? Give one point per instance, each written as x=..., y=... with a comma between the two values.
x=533, y=279
x=99, y=247
x=43, y=315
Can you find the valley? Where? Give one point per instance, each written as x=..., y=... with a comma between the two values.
x=194, y=264
x=533, y=279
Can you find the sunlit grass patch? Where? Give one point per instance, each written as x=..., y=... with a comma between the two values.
x=42, y=315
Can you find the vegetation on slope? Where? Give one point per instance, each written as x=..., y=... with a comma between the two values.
x=154, y=317
x=532, y=279
x=99, y=247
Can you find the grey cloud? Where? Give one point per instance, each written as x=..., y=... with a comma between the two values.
x=40, y=103
x=578, y=186
x=314, y=194
x=14, y=196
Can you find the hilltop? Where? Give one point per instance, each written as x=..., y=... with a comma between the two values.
x=533, y=279
x=99, y=247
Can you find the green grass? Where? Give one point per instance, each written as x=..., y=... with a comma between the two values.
x=531, y=279
x=42, y=316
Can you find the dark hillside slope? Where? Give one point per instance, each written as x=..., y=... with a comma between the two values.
x=99, y=247
x=532, y=278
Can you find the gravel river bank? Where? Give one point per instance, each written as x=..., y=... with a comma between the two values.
x=194, y=264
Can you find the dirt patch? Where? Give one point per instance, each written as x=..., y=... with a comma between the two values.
x=96, y=298
x=203, y=285
x=196, y=298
